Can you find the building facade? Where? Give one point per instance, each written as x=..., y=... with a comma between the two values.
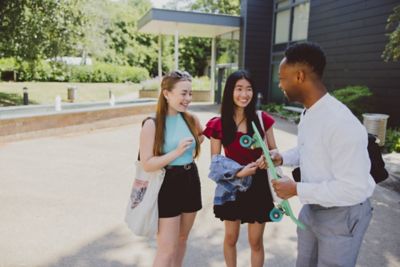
x=351, y=32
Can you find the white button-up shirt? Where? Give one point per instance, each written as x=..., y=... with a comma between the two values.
x=332, y=154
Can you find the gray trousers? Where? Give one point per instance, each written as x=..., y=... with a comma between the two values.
x=333, y=236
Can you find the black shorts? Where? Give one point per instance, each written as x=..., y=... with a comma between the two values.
x=180, y=191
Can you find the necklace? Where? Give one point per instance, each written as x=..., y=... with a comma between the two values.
x=240, y=122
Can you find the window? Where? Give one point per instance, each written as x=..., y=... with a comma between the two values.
x=282, y=4
x=300, y=22
x=276, y=94
x=291, y=25
x=291, y=20
x=282, y=26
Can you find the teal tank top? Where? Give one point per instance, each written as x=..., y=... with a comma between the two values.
x=175, y=130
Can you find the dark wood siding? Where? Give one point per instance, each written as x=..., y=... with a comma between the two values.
x=256, y=41
x=352, y=33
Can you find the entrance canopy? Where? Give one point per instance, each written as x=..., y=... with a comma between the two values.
x=195, y=24
x=186, y=23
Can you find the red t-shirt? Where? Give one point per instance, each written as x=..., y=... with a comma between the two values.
x=234, y=150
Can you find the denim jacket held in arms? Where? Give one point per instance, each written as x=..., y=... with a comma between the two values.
x=223, y=171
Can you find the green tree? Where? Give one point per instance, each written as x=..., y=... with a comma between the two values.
x=113, y=36
x=195, y=52
x=230, y=7
x=35, y=29
x=392, y=48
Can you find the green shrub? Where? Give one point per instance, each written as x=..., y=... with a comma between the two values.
x=41, y=71
x=7, y=64
x=134, y=74
x=354, y=97
x=392, y=141
x=102, y=72
x=46, y=71
x=56, y=71
x=81, y=73
x=24, y=72
x=274, y=108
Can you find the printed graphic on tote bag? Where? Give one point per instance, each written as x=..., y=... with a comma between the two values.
x=138, y=191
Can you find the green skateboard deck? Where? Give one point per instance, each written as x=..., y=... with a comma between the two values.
x=281, y=206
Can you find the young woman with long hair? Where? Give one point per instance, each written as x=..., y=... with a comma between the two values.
x=252, y=206
x=172, y=141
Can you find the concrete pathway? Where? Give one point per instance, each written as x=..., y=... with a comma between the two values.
x=63, y=198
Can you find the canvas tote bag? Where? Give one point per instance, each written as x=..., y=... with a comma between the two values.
x=142, y=209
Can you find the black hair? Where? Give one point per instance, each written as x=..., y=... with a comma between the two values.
x=228, y=108
x=307, y=53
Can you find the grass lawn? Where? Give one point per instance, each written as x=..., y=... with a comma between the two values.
x=45, y=92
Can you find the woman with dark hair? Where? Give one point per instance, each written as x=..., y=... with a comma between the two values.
x=253, y=205
x=172, y=141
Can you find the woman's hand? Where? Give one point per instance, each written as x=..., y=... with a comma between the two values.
x=261, y=162
x=184, y=145
x=248, y=170
x=276, y=157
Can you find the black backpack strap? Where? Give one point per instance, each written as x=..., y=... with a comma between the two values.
x=378, y=171
x=148, y=118
x=296, y=174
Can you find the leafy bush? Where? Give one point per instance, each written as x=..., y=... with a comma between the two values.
x=81, y=74
x=102, y=72
x=24, y=73
x=392, y=142
x=39, y=71
x=57, y=71
x=134, y=74
x=278, y=109
x=7, y=64
x=354, y=97
x=51, y=71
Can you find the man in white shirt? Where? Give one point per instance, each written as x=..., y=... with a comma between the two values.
x=332, y=154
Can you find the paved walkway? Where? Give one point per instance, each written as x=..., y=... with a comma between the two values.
x=63, y=198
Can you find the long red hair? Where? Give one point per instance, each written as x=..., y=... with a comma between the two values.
x=168, y=82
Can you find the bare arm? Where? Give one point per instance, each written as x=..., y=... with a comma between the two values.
x=199, y=128
x=151, y=162
x=270, y=139
x=215, y=146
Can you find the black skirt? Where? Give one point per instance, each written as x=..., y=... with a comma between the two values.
x=251, y=206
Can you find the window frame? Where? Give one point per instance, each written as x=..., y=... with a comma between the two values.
x=291, y=6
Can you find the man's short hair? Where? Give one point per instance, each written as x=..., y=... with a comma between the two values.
x=307, y=53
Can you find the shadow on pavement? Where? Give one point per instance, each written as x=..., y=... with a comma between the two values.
x=200, y=252
x=205, y=250
x=380, y=245
x=99, y=252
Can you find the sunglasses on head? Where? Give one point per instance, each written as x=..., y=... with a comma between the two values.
x=180, y=74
